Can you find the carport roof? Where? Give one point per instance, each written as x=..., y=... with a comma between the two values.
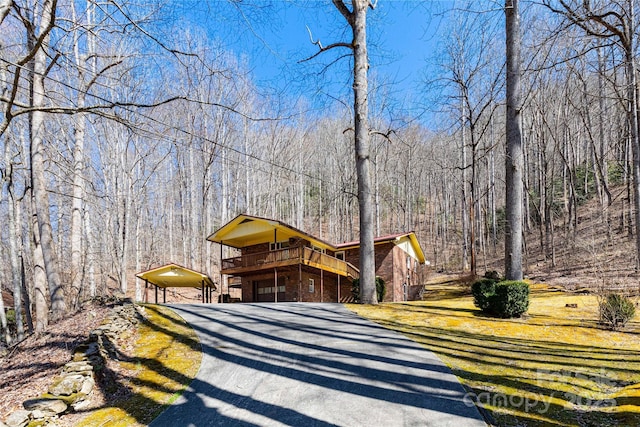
x=176, y=276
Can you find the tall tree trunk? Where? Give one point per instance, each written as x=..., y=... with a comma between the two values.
x=465, y=210
x=3, y=321
x=513, y=159
x=77, y=207
x=26, y=298
x=15, y=266
x=632, y=115
x=138, y=282
x=13, y=220
x=363, y=159
x=89, y=261
x=38, y=180
x=604, y=166
x=39, y=276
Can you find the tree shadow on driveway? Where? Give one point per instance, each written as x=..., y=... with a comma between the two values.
x=311, y=364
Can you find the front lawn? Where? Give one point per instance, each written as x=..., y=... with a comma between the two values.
x=556, y=366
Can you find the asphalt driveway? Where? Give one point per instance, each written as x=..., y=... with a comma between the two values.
x=302, y=364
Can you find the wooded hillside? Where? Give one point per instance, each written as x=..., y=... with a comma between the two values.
x=128, y=137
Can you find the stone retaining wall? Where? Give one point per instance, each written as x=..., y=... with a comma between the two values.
x=71, y=390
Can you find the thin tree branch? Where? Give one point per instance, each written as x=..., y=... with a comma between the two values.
x=5, y=8
x=344, y=11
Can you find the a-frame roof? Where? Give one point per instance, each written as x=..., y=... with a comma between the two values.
x=247, y=230
x=176, y=276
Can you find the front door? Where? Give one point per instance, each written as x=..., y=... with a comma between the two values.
x=265, y=291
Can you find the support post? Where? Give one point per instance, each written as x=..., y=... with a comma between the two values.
x=300, y=281
x=164, y=295
x=156, y=293
x=321, y=285
x=338, y=288
x=275, y=279
x=146, y=286
x=221, y=278
x=202, y=291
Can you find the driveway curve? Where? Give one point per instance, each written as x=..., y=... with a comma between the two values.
x=302, y=364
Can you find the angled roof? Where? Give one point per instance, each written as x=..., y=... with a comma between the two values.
x=407, y=241
x=176, y=276
x=381, y=239
x=247, y=230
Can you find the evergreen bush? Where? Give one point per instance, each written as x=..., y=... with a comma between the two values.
x=511, y=299
x=482, y=291
x=504, y=299
x=381, y=289
x=615, y=311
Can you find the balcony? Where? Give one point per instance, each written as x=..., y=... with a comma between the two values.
x=252, y=263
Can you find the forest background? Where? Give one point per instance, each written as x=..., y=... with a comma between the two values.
x=131, y=130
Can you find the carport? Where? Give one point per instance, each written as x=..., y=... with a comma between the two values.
x=177, y=276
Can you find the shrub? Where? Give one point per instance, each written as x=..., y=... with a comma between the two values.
x=615, y=311
x=493, y=275
x=511, y=299
x=381, y=289
x=482, y=291
x=503, y=299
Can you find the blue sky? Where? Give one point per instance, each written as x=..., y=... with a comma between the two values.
x=272, y=36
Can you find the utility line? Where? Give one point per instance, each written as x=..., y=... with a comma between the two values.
x=130, y=109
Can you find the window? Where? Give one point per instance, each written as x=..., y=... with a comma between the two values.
x=340, y=255
x=270, y=289
x=318, y=249
x=278, y=245
x=312, y=286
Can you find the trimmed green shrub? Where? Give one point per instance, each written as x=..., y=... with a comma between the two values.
x=381, y=289
x=615, y=311
x=511, y=299
x=503, y=299
x=482, y=291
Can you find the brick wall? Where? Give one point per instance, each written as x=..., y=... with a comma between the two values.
x=325, y=286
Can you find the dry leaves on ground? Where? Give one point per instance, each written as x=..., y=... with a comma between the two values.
x=28, y=369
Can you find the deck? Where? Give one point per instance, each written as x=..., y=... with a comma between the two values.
x=252, y=263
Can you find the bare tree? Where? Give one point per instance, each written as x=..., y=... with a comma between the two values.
x=613, y=21
x=38, y=131
x=356, y=18
x=514, y=163
x=474, y=78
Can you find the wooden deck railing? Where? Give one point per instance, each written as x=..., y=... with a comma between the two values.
x=288, y=256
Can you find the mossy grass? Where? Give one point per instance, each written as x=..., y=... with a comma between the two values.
x=556, y=366
x=165, y=359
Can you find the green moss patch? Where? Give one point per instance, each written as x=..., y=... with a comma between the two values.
x=165, y=359
x=555, y=366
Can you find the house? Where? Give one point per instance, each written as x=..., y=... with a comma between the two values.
x=278, y=262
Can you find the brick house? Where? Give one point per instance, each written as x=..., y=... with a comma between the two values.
x=277, y=262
